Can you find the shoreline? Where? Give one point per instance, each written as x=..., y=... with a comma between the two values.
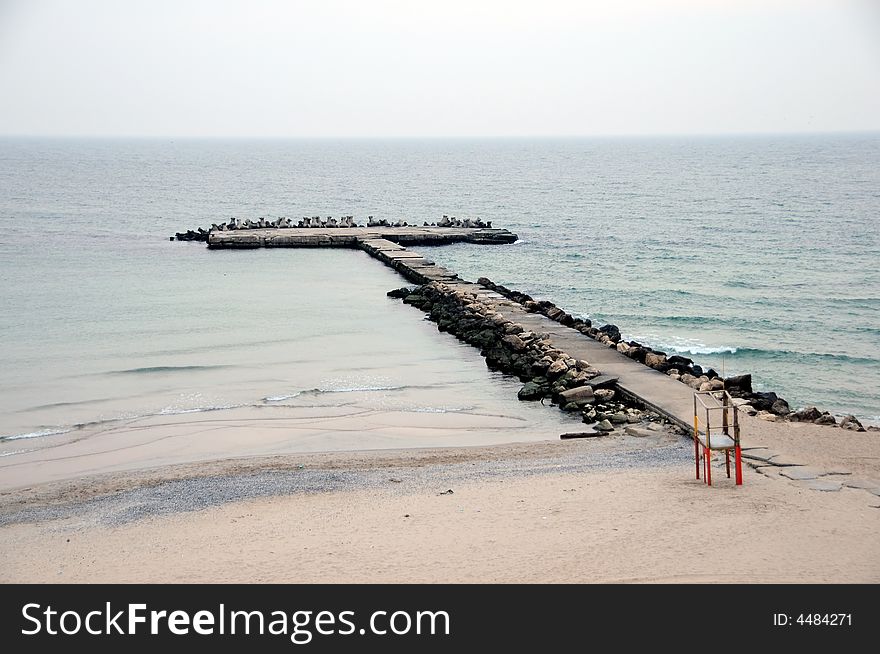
x=552, y=512
x=798, y=444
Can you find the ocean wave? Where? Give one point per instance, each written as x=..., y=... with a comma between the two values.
x=194, y=349
x=793, y=354
x=281, y=398
x=699, y=349
x=61, y=405
x=167, y=411
x=754, y=284
x=756, y=324
x=175, y=411
x=172, y=411
x=679, y=345
x=159, y=369
x=321, y=391
x=862, y=302
x=58, y=405
x=34, y=434
x=738, y=283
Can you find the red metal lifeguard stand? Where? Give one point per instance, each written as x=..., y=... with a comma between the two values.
x=720, y=434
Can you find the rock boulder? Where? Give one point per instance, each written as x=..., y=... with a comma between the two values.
x=851, y=423
x=825, y=419
x=580, y=396
x=532, y=392
x=738, y=385
x=807, y=414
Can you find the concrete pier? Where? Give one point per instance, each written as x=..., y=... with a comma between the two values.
x=323, y=237
x=637, y=382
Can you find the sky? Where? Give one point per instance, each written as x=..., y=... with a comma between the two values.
x=451, y=68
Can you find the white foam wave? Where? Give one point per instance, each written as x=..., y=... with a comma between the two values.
x=34, y=434
x=173, y=411
x=14, y=452
x=675, y=345
x=434, y=409
x=359, y=389
x=697, y=349
x=344, y=389
x=281, y=398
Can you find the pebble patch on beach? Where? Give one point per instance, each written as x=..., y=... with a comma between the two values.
x=197, y=493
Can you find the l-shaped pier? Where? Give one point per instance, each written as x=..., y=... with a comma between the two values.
x=641, y=384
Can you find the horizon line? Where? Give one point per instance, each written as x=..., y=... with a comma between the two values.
x=435, y=137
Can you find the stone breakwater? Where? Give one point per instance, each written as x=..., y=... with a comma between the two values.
x=572, y=384
x=765, y=405
x=316, y=222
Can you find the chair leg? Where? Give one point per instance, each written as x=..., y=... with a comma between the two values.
x=727, y=461
x=708, y=466
x=703, y=457
x=739, y=465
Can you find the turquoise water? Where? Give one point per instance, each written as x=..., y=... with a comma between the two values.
x=752, y=254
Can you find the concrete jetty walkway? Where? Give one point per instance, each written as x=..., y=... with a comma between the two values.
x=671, y=399
x=642, y=384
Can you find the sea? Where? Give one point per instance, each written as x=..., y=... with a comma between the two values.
x=749, y=254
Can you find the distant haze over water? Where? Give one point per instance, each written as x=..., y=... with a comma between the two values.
x=755, y=254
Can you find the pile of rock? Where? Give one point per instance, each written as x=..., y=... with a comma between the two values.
x=547, y=372
x=287, y=223
x=446, y=221
x=506, y=346
x=263, y=223
x=766, y=405
x=316, y=221
x=382, y=222
x=814, y=415
x=609, y=414
x=191, y=235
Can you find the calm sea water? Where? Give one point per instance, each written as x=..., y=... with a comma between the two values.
x=752, y=254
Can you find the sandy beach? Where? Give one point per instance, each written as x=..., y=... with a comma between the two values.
x=619, y=509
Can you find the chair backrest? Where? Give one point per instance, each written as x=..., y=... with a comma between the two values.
x=719, y=414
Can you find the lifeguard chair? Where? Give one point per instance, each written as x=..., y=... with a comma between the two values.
x=719, y=431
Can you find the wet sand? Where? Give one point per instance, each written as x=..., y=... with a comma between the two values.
x=161, y=441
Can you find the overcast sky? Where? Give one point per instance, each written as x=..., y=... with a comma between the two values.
x=447, y=68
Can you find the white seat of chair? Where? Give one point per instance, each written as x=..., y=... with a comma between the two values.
x=719, y=441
